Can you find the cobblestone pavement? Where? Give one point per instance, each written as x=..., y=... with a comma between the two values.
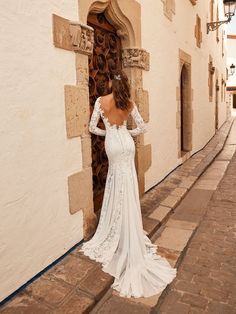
x=203, y=249
x=206, y=280
x=206, y=277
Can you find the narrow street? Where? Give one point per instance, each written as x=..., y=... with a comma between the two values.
x=191, y=216
x=206, y=279
x=119, y=119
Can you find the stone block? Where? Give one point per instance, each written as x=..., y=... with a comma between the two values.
x=82, y=38
x=143, y=103
x=23, y=303
x=61, y=32
x=179, y=191
x=150, y=225
x=177, y=93
x=185, y=57
x=96, y=283
x=144, y=157
x=169, y=8
x=82, y=71
x=148, y=301
x=71, y=269
x=80, y=191
x=174, y=238
x=178, y=122
x=78, y=302
x=171, y=255
x=181, y=224
x=160, y=213
x=136, y=57
x=186, y=183
x=77, y=110
x=86, y=151
x=51, y=291
x=171, y=201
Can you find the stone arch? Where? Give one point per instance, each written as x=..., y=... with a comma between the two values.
x=126, y=17
x=184, y=112
x=126, y=24
x=217, y=88
x=184, y=103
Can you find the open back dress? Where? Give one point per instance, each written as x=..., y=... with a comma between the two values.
x=120, y=243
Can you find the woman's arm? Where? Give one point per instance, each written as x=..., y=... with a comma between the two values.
x=95, y=118
x=141, y=126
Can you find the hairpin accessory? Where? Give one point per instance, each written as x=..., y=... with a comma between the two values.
x=117, y=77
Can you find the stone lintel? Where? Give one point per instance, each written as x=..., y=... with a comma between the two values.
x=185, y=57
x=72, y=35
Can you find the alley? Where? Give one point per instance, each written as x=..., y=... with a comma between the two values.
x=206, y=279
x=75, y=152
x=191, y=217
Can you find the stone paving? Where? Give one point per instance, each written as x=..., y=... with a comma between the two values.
x=200, y=285
x=171, y=212
x=206, y=279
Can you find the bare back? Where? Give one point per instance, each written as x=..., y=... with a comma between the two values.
x=114, y=115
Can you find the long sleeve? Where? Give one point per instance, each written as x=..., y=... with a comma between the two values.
x=141, y=126
x=94, y=120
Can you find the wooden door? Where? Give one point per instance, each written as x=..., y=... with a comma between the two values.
x=185, y=110
x=234, y=100
x=217, y=87
x=106, y=57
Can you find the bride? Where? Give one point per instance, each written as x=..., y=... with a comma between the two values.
x=120, y=243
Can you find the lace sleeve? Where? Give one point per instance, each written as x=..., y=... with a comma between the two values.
x=141, y=126
x=94, y=120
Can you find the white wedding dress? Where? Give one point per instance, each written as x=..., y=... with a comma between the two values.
x=120, y=243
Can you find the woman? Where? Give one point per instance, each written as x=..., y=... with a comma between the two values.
x=120, y=243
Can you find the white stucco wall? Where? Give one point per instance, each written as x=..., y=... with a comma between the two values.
x=36, y=157
x=162, y=38
x=231, y=58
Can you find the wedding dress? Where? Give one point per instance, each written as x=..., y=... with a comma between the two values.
x=120, y=243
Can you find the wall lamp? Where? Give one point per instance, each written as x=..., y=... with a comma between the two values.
x=232, y=70
x=229, y=9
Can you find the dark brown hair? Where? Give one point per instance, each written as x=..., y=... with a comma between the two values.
x=121, y=89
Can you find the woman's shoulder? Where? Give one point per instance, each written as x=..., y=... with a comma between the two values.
x=105, y=101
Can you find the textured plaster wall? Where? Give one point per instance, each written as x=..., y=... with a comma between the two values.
x=36, y=156
x=231, y=58
x=163, y=38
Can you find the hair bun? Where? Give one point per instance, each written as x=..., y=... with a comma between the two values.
x=117, y=77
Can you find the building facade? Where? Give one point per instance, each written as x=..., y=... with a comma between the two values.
x=231, y=59
x=55, y=60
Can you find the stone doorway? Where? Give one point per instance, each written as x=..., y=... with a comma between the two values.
x=217, y=87
x=122, y=18
x=185, y=110
x=234, y=101
x=105, y=58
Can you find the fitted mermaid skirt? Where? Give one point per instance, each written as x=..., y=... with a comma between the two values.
x=120, y=243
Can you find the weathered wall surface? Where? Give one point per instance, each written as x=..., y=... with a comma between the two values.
x=36, y=226
x=36, y=156
x=165, y=30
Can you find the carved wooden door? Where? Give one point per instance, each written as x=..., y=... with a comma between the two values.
x=106, y=57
